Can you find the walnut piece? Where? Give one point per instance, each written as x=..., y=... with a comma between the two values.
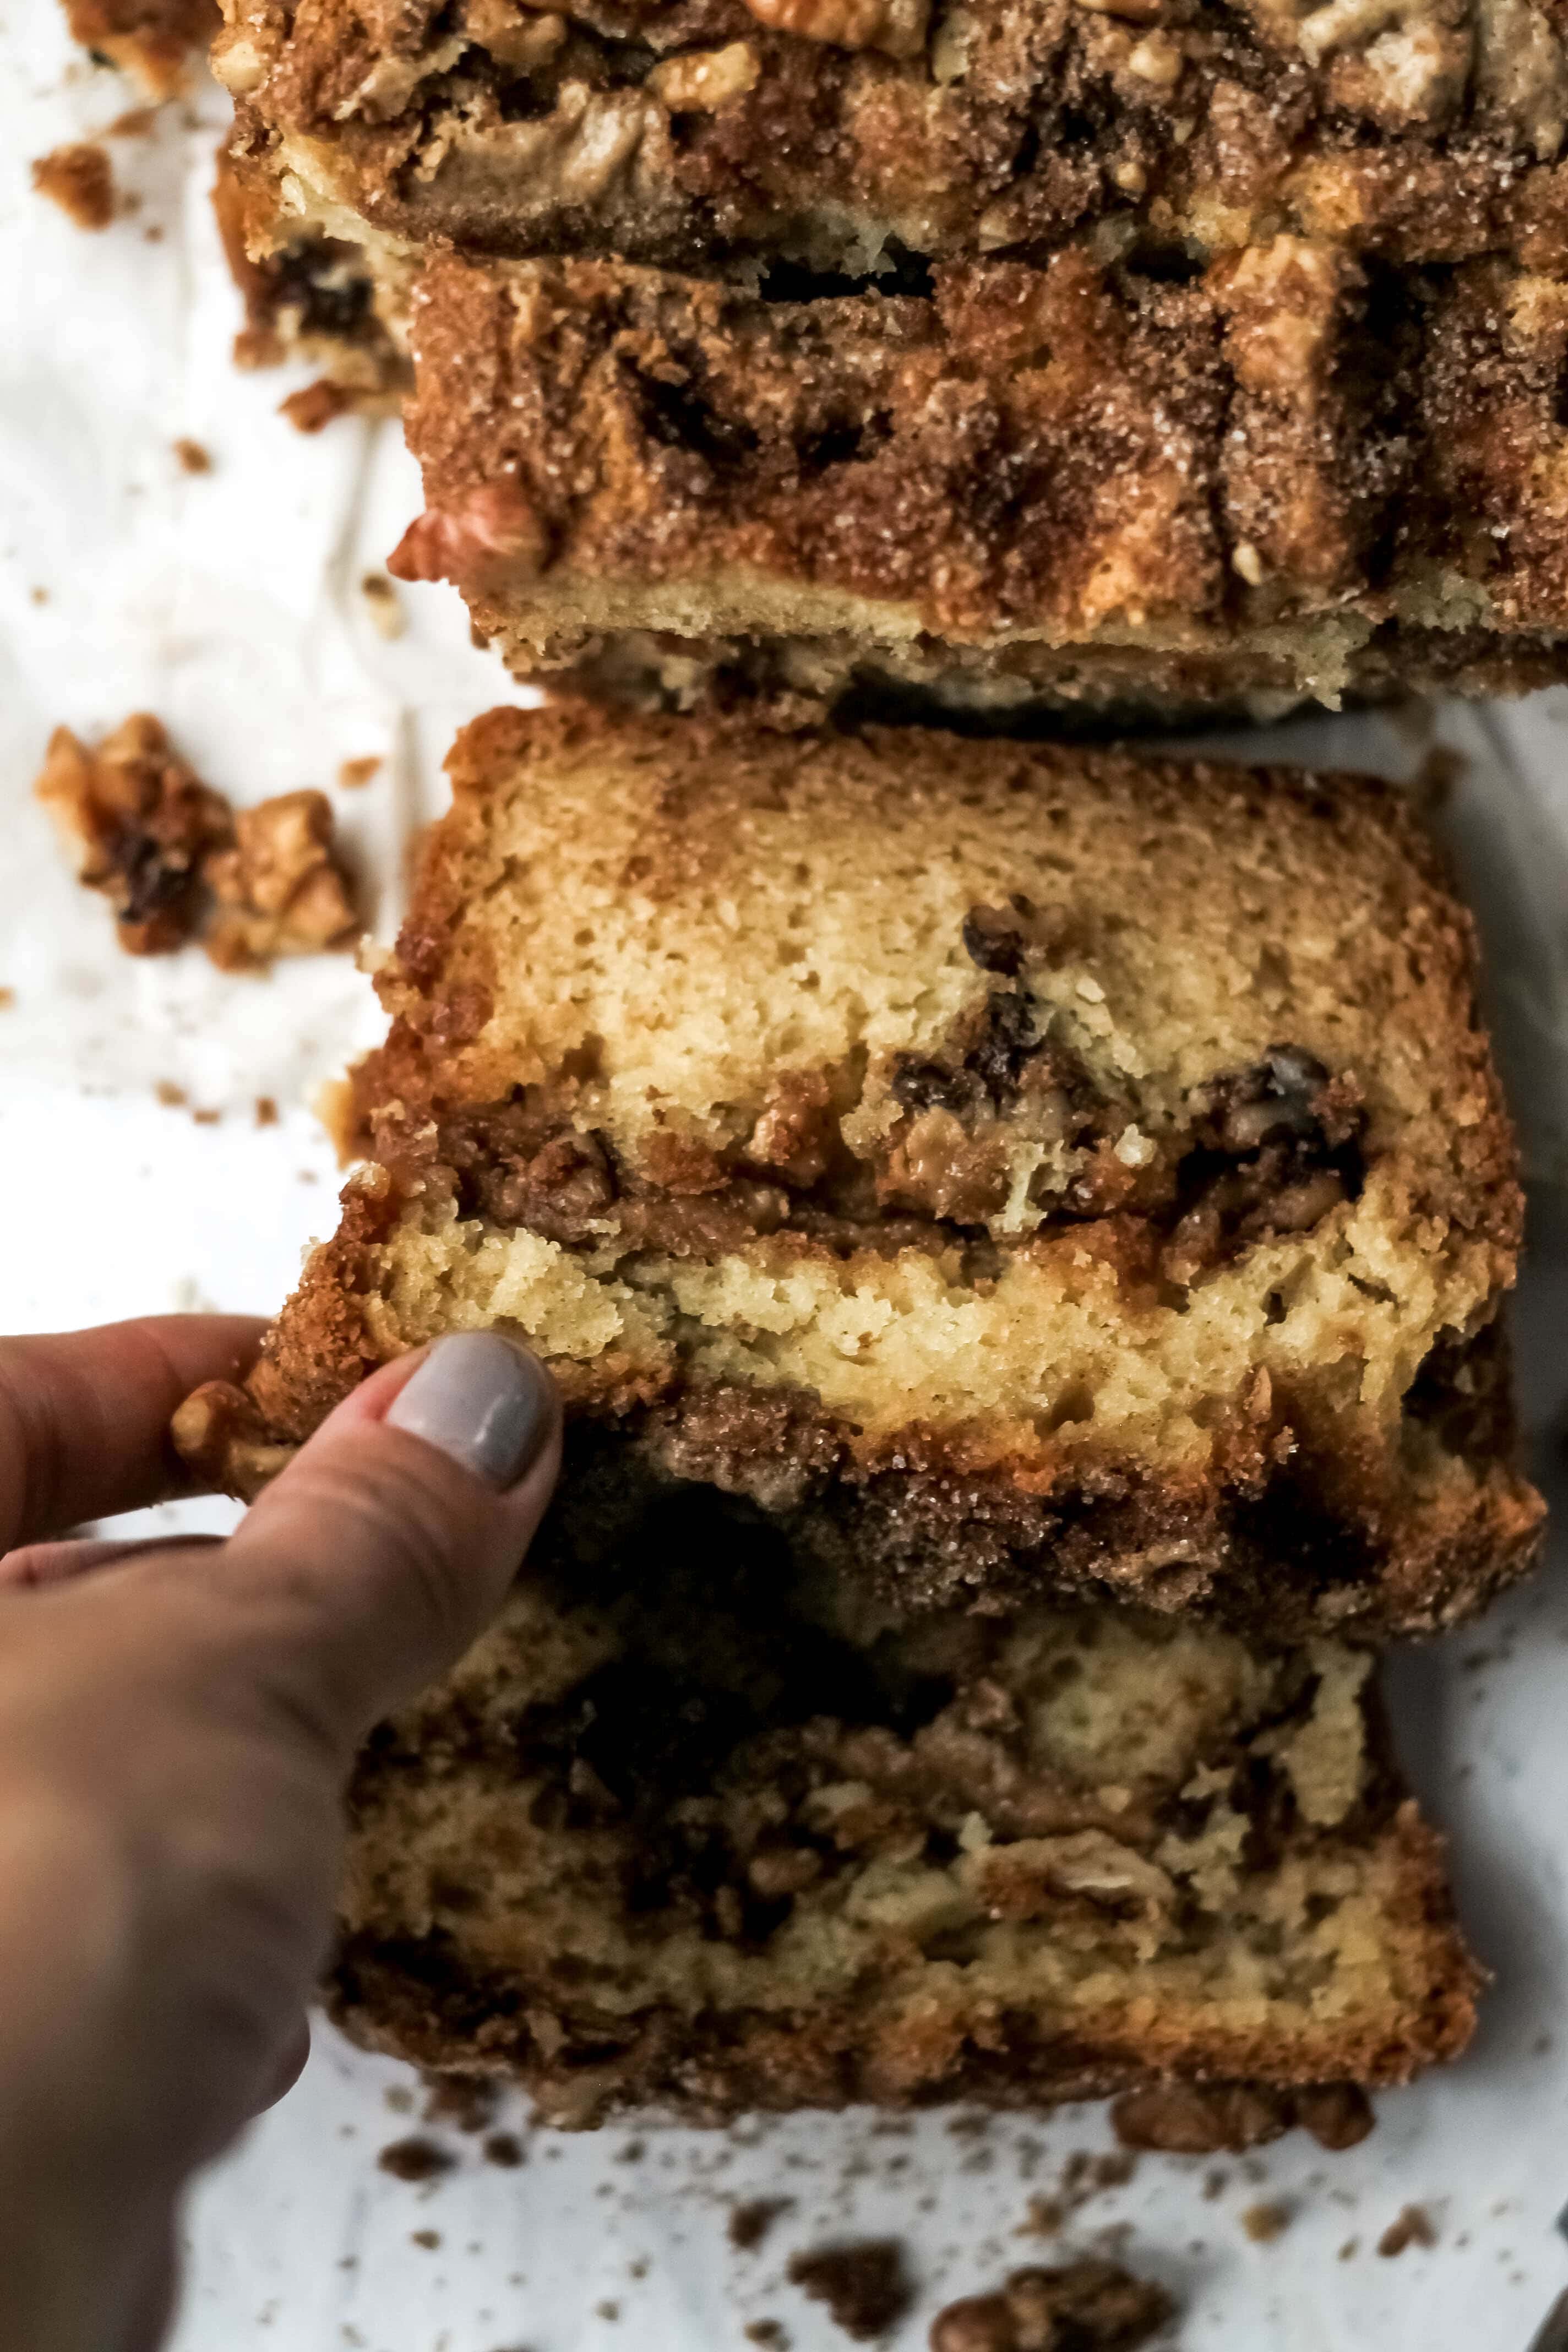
x=491, y=527
x=279, y=890
x=175, y=862
x=701, y=81
x=1088, y=2306
x=143, y=823
x=217, y=1433
x=519, y=38
x=897, y=28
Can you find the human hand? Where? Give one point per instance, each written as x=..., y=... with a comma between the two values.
x=178, y=1722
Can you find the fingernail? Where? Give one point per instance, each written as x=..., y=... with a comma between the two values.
x=483, y=1402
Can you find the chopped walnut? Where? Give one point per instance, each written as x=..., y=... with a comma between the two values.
x=217, y=1434
x=142, y=823
x=175, y=862
x=702, y=80
x=897, y=28
x=490, y=527
x=519, y=39
x=1158, y=59
x=584, y=147
x=78, y=179
x=242, y=56
x=387, y=88
x=1406, y=65
x=279, y=890
x=1521, y=73
x=1088, y=2306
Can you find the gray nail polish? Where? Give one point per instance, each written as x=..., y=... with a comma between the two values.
x=483, y=1402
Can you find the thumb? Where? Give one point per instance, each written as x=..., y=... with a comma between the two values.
x=388, y=1543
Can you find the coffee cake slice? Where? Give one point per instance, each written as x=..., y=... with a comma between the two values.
x=690, y=1830
x=1078, y=486
x=854, y=135
x=1009, y=1168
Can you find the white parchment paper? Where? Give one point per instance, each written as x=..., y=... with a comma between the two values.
x=229, y=604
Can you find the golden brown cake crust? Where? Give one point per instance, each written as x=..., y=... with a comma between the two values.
x=840, y=133
x=1291, y=1509
x=1080, y=480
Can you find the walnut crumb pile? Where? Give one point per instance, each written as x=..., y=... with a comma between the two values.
x=176, y=862
x=78, y=179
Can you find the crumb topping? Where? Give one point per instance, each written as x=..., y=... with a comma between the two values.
x=846, y=133
x=1283, y=456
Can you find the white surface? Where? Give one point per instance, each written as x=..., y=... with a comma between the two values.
x=227, y=603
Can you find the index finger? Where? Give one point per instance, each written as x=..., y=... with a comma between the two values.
x=84, y=1415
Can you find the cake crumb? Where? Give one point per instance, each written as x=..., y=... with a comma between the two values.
x=468, y=2101
x=315, y=405
x=1349, y=2251
x=428, y=2238
x=78, y=179
x=1088, y=2306
x=171, y=1096
x=207, y=1118
x=1264, y=2224
x=864, y=2285
x=504, y=2148
x=1411, y=2227
x=266, y=1111
x=766, y=2332
x=382, y=601
x=136, y=123
x=353, y=773
x=415, y=2159
x=7, y=998
x=750, y=2223
x=607, y=2310
x=191, y=456
x=38, y=595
